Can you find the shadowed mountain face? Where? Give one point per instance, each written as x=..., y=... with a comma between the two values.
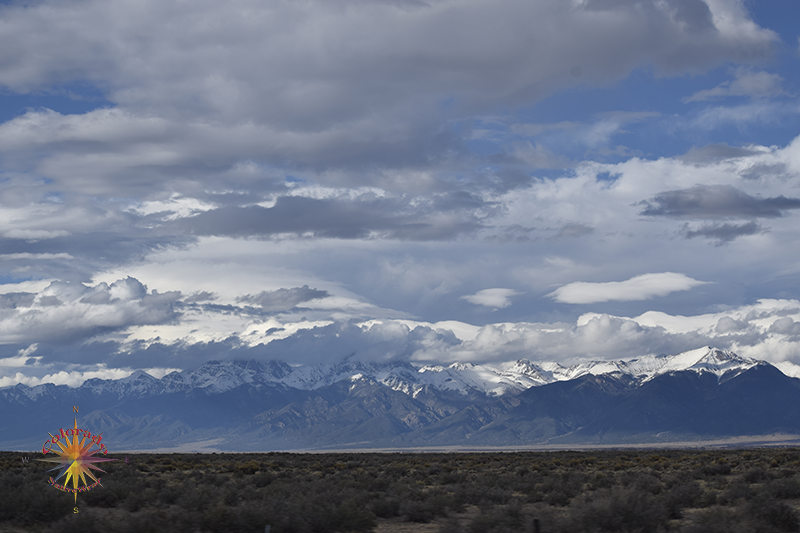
x=241, y=406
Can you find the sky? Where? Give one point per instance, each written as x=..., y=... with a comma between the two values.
x=395, y=180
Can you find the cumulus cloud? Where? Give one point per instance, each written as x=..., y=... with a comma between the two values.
x=786, y=326
x=769, y=329
x=600, y=337
x=70, y=311
x=642, y=287
x=716, y=201
x=380, y=341
x=496, y=298
x=753, y=330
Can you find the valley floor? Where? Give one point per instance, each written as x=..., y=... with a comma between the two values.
x=683, y=491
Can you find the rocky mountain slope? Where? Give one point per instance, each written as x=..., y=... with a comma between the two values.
x=250, y=405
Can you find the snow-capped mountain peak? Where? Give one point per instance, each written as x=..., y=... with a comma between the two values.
x=708, y=360
x=468, y=378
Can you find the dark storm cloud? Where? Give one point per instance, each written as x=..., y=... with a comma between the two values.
x=284, y=299
x=723, y=233
x=715, y=202
x=341, y=218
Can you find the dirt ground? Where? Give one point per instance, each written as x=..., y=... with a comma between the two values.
x=394, y=526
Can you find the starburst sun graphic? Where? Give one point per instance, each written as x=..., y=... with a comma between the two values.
x=76, y=460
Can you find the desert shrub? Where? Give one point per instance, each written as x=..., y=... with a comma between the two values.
x=82, y=522
x=351, y=516
x=134, y=502
x=416, y=511
x=386, y=508
x=325, y=493
x=262, y=479
x=601, y=481
x=100, y=497
x=452, y=478
x=169, y=495
x=467, y=494
x=561, y=488
x=617, y=510
x=502, y=519
x=27, y=501
x=717, y=468
x=708, y=498
x=774, y=513
x=783, y=488
x=642, y=481
x=736, y=492
x=682, y=495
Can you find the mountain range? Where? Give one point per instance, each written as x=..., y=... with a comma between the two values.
x=249, y=405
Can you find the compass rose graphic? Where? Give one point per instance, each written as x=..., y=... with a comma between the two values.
x=75, y=458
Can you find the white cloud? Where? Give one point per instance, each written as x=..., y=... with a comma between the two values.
x=758, y=112
x=746, y=83
x=231, y=111
x=75, y=378
x=769, y=330
x=34, y=234
x=172, y=208
x=643, y=287
x=496, y=298
x=67, y=312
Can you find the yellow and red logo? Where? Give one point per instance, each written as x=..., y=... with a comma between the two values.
x=76, y=458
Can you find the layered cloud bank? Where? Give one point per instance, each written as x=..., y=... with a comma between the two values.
x=190, y=332
x=456, y=180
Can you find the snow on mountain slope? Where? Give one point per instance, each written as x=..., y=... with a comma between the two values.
x=463, y=378
x=645, y=368
x=790, y=369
